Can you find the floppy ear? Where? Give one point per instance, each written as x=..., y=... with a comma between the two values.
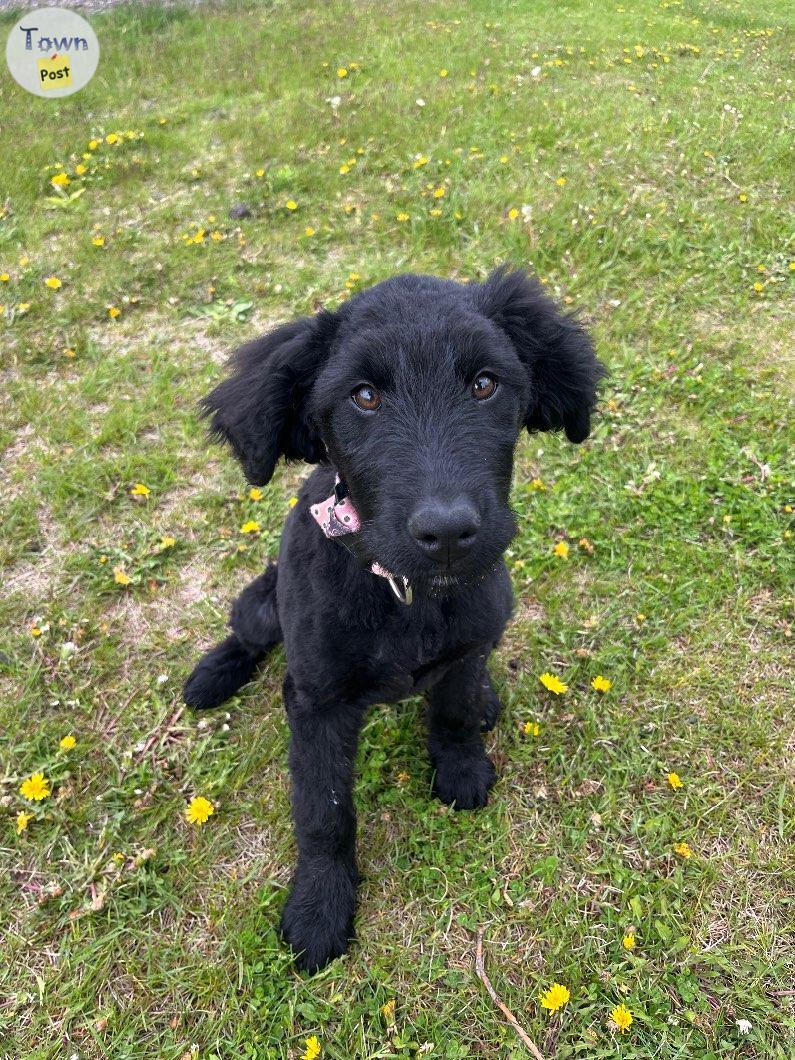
x=260, y=409
x=563, y=369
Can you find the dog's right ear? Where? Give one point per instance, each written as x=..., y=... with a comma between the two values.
x=260, y=409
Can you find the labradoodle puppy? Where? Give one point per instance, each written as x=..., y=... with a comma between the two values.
x=410, y=399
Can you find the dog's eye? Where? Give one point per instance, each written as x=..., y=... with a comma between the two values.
x=366, y=397
x=484, y=386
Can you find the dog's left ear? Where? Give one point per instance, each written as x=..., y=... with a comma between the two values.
x=260, y=410
x=563, y=369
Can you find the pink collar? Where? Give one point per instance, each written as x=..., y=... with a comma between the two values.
x=337, y=516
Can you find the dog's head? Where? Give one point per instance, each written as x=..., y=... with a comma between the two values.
x=416, y=390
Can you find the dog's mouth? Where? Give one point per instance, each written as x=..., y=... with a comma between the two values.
x=399, y=559
x=440, y=583
x=452, y=582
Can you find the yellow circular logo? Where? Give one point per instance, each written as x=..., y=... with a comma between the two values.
x=52, y=52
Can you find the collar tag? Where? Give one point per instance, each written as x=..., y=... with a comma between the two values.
x=407, y=594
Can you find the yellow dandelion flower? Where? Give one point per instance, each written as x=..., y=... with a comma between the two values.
x=674, y=780
x=513, y=213
x=35, y=788
x=342, y=72
x=438, y=193
x=60, y=180
x=199, y=810
x=98, y=241
x=66, y=743
x=537, y=484
x=553, y=684
x=742, y=197
x=167, y=541
x=561, y=550
x=293, y=501
x=759, y=287
x=622, y=1018
x=111, y=138
x=140, y=490
x=260, y=173
x=22, y=308
x=255, y=494
x=291, y=204
x=402, y=216
x=23, y=820
x=560, y=181
x=93, y=145
x=443, y=72
x=531, y=728
x=4, y=277
x=80, y=169
x=53, y=283
x=113, y=312
x=683, y=850
x=640, y=618
x=601, y=684
x=388, y=1011
x=556, y=997
x=309, y=231
x=120, y=576
x=628, y=941
x=312, y=1051
x=251, y=526
x=345, y=168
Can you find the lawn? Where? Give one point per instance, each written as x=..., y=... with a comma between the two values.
x=636, y=157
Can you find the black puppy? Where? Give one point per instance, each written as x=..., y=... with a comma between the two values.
x=411, y=398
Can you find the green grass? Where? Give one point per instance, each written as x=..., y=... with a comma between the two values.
x=668, y=122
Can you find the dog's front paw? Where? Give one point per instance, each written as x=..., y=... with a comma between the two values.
x=318, y=917
x=464, y=779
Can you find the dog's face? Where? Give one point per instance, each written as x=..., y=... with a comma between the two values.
x=416, y=391
x=420, y=417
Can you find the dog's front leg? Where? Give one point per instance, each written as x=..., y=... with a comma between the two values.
x=318, y=917
x=464, y=773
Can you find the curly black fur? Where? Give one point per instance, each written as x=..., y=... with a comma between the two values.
x=430, y=452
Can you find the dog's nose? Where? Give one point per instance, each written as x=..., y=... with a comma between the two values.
x=444, y=532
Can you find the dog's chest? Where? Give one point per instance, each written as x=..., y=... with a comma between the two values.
x=410, y=654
